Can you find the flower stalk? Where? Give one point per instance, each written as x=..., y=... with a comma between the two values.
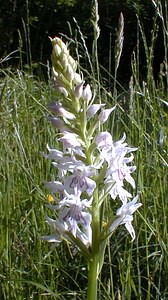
x=92, y=279
x=92, y=169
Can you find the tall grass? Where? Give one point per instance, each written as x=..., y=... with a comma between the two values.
x=29, y=268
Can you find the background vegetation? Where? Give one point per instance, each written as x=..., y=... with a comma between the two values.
x=26, y=24
x=29, y=268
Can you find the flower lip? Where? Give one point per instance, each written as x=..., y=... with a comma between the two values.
x=80, y=179
x=104, y=139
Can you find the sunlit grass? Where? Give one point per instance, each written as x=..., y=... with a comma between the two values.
x=29, y=268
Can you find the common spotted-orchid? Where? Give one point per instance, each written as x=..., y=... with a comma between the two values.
x=92, y=168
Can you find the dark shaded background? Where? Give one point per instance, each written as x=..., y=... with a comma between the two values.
x=26, y=25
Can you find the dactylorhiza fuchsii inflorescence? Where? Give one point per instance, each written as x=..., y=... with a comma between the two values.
x=91, y=168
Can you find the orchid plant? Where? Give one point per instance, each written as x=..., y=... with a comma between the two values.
x=92, y=169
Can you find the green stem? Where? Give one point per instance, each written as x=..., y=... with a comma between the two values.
x=92, y=279
x=94, y=261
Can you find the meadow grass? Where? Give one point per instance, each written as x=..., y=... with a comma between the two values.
x=30, y=268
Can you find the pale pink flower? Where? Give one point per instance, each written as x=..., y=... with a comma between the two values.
x=124, y=214
x=104, y=115
x=92, y=110
x=70, y=140
x=59, y=110
x=80, y=179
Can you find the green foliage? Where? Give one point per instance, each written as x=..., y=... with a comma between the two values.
x=66, y=2
x=29, y=268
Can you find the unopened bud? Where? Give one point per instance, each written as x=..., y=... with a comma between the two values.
x=54, y=72
x=64, y=61
x=77, y=78
x=69, y=73
x=72, y=62
x=62, y=90
x=87, y=93
x=63, y=47
x=78, y=90
x=57, y=41
x=59, y=86
x=56, y=50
